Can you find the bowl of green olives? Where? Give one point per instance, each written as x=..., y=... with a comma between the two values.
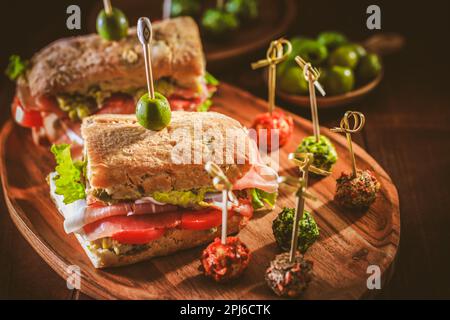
x=348, y=70
x=237, y=27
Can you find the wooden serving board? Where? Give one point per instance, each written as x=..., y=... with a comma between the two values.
x=348, y=243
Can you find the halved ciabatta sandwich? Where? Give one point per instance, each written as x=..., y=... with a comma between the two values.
x=76, y=77
x=140, y=193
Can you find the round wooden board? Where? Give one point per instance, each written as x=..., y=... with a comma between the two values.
x=348, y=243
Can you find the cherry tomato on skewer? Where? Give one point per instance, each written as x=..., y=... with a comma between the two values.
x=279, y=120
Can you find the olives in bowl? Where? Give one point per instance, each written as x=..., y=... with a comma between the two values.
x=345, y=67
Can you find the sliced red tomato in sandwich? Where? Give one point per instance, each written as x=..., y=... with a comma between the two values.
x=118, y=104
x=138, y=236
x=202, y=219
x=25, y=118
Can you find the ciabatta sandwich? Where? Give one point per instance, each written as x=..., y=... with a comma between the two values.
x=140, y=193
x=76, y=77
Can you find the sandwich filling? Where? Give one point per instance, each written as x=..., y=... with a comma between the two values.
x=125, y=221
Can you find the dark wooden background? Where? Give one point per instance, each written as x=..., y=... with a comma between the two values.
x=407, y=131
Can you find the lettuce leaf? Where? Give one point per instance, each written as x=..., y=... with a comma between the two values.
x=16, y=67
x=210, y=79
x=205, y=106
x=68, y=180
x=260, y=198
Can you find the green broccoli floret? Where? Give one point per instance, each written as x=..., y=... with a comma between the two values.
x=308, y=231
x=325, y=155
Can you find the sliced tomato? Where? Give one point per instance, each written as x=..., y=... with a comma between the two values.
x=118, y=103
x=49, y=104
x=179, y=104
x=138, y=236
x=26, y=118
x=203, y=219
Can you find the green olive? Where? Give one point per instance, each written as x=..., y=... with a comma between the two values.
x=338, y=80
x=369, y=68
x=113, y=26
x=185, y=8
x=293, y=81
x=312, y=51
x=359, y=49
x=217, y=22
x=331, y=39
x=153, y=114
x=246, y=9
x=297, y=43
x=345, y=57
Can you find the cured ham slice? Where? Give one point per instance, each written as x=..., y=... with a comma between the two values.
x=260, y=176
x=118, y=224
x=94, y=213
x=255, y=178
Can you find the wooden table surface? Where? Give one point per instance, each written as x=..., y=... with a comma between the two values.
x=407, y=132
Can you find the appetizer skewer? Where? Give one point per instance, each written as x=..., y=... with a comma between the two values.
x=357, y=190
x=153, y=109
x=325, y=155
x=289, y=274
x=225, y=259
x=274, y=121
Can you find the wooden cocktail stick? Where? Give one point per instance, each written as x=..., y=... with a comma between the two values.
x=108, y=7
x=144, y=32
x=300, y=202
x=275, y=54
x=312, y=75
x=167, y=9
x=221, y=183
x=344, y=127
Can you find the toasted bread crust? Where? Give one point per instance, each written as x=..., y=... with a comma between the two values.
x=174, y=240
x=75, y=64
x=129, y=161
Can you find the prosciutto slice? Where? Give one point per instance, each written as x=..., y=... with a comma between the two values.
x=260, y=176
x=94, y=213
x=110, y=226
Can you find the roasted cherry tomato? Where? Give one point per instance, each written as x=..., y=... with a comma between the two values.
x=278, y=120
x=138, y=236
x=223, y=262
x=25, y=118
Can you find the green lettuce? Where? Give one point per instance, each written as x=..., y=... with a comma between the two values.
x=205, y=106
x=210, y=79
x=68, y=180
x=260, y=198
x=16, y=67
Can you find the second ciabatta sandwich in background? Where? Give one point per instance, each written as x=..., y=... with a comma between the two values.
x=76, y=77
x=140, y=193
